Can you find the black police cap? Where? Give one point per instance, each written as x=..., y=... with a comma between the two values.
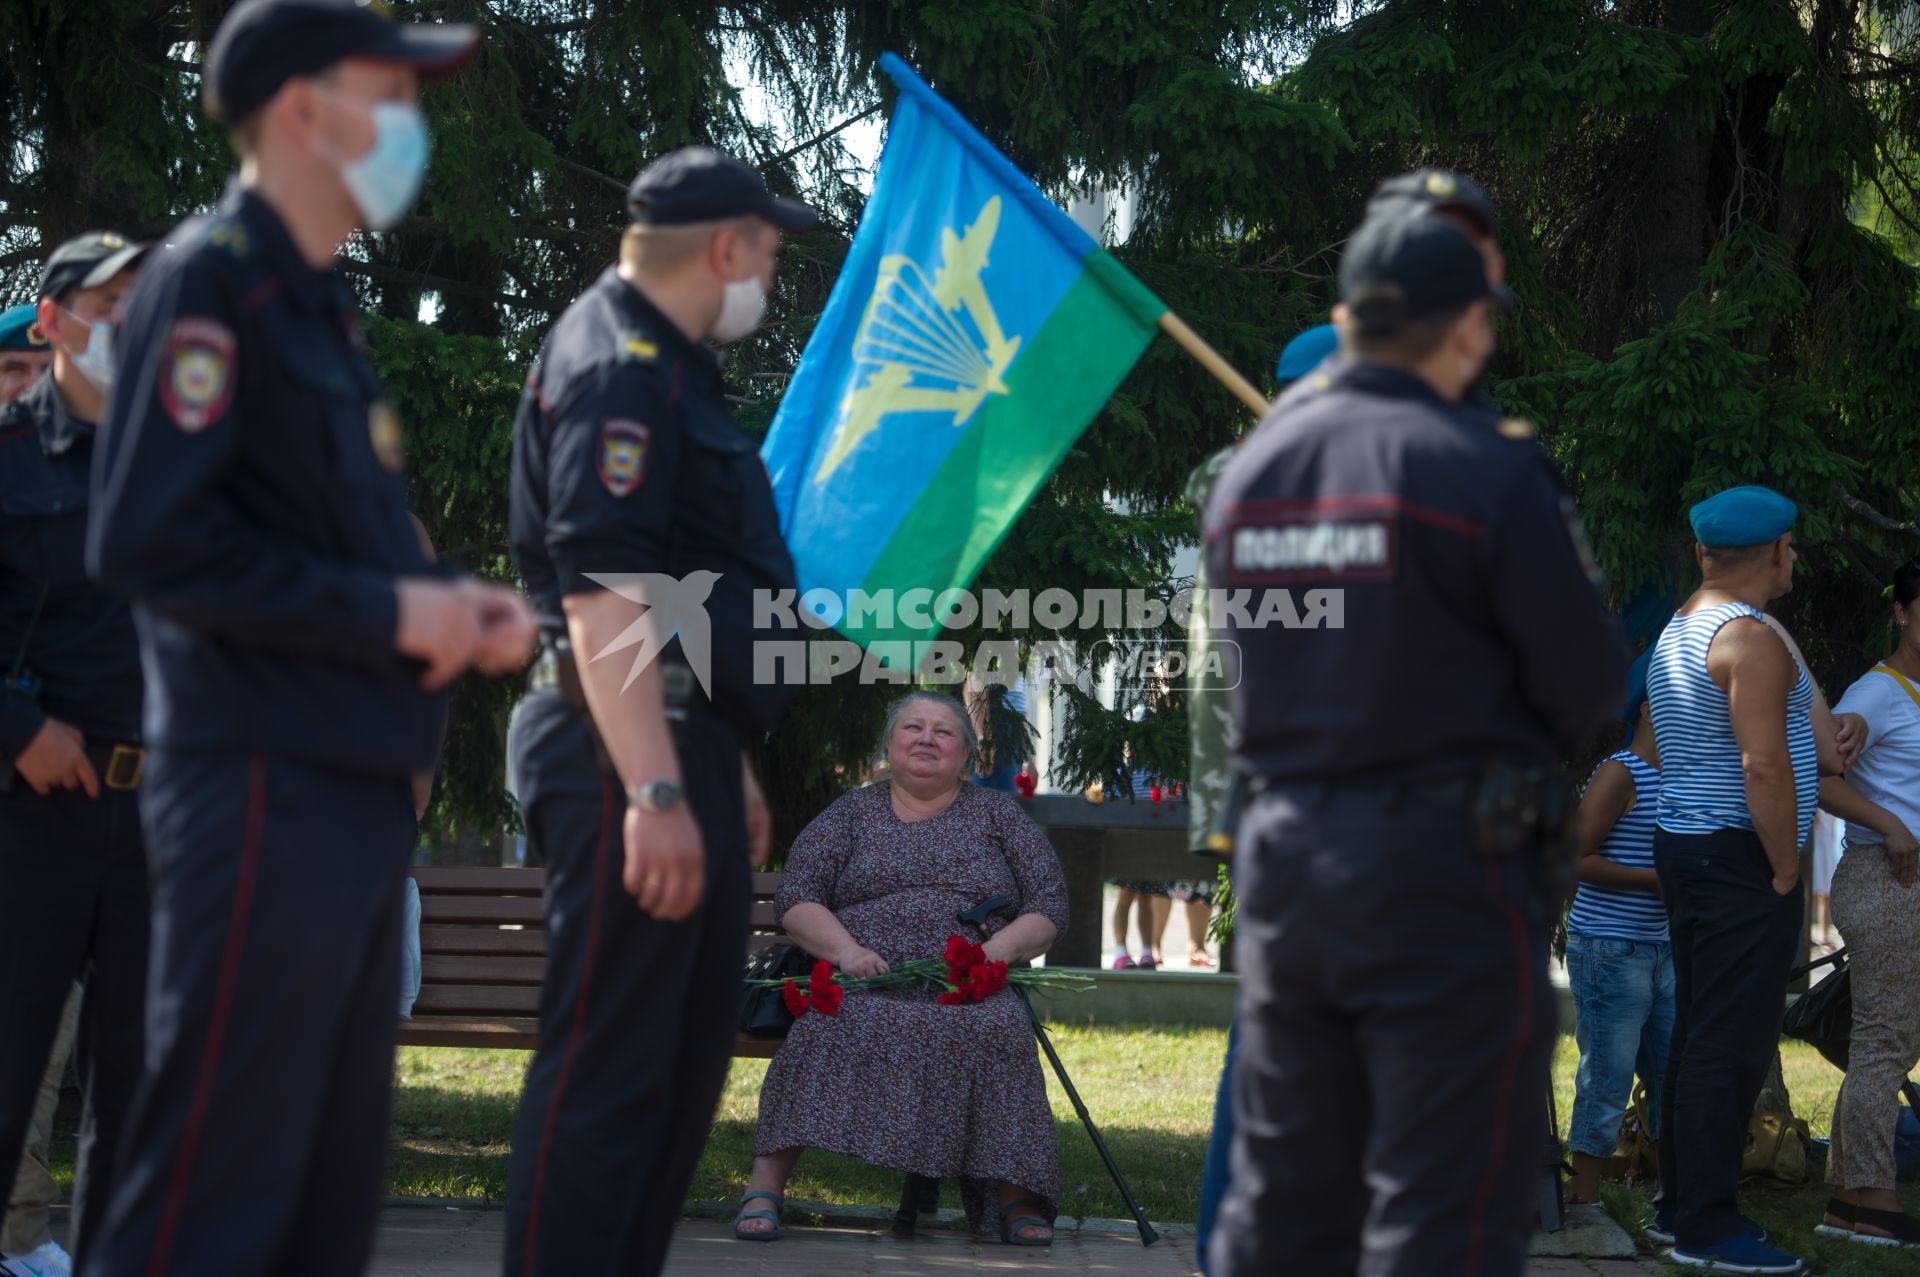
x=87, y=261
x=700, y=184
x=1428, y=189
x=264, y=43
x=1405, y=266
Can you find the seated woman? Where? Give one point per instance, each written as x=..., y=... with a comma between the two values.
x=894, y=1078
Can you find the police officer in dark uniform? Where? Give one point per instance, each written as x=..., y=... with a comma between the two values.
x=72, y=870
x=1396, y=1017
x=250, y=502
x=633, y=485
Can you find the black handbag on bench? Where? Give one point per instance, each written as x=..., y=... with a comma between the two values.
x=763, y=1014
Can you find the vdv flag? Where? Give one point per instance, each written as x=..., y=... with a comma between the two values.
x=973, y=333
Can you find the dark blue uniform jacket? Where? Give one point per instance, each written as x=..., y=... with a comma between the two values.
x=627, y=460
x=82, y=651
x=249, y=500
x=1471, y=619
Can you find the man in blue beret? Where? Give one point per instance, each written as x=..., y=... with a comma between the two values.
x=1744, y=738
x=1210, y=774
x=24, y=351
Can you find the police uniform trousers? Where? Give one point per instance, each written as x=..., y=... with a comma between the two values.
x=1734, y=942
x=1396, y=1023
x=73, y=876
x=259, y=1132
x=637, y=1017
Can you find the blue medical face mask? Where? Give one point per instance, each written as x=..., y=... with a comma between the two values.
x=385, y=180
x=94, y=361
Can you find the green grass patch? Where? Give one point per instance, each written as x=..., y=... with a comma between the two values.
x=1788, y=1214
x=1150, y=1090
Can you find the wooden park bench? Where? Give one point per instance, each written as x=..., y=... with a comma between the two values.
x=483, y=953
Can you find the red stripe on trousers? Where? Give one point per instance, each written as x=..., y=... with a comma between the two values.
x=573, y=1034
x=222, y=1009
x=1509, y=1066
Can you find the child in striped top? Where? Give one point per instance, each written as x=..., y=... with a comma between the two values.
x=1619, y=964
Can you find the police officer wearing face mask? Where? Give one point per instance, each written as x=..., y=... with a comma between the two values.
x=250, y=502
x=633, y=484
x=72, y=868
x=1395, y=1016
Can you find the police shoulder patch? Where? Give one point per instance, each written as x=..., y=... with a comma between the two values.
x=623, y=455
x=196, y=383
x=636, y=346
x=229, y=235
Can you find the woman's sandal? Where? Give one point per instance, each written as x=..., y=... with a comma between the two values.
x=1838, y=1221
x=1896, y=1228
x=756, y=1234
x=1012, y=1221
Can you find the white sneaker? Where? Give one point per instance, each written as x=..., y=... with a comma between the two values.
x=44, y=1261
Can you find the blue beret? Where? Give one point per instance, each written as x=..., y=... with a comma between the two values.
x=20, y=330
x=1636, y=687
x=1747, y=515
x=1305, y=353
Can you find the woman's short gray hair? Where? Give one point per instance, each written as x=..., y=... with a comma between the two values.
x=968, y=737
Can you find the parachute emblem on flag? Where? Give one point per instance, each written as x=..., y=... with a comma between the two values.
x=926, y=344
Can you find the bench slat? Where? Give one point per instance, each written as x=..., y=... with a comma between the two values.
x=478, y=1000
x=483, y=941
x=484, y=947
x=527, y=911
x=474, y=880
x=486, y=970
x=509, y=1034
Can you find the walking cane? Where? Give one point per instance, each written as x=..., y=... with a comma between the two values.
x=976, y=918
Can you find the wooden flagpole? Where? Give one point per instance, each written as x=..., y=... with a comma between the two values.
x=1209, y=358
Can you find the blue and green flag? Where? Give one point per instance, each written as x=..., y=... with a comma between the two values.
x=973, y=333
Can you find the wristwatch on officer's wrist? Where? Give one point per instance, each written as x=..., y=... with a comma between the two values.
x=656, y=796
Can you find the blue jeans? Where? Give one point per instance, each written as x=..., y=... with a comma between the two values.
x=1623, y=1001
x=1215, y=1173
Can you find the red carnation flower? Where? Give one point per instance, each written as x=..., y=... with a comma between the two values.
x=827, y=999
x=957, y=999
x=821, y=978
x=796, y=1001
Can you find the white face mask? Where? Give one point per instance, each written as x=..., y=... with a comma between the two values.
x=742, y=308
x=385, y=180
x=94, y=361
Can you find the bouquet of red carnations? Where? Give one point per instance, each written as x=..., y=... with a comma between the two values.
x=964, y=974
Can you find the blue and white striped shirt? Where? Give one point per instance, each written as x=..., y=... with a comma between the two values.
x=1626, y=915
x=1702, y=786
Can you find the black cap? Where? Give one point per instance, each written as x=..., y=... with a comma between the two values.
x=87, y=261
x=700, y=184
x=1405, y=266
x=1430, y=189
x=264, y=43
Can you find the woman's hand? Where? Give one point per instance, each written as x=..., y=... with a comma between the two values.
x=759, y=822
x=1902, y=853
x=859, y=963
x=1850, y=735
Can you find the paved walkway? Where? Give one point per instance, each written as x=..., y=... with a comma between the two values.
x=433, y=1242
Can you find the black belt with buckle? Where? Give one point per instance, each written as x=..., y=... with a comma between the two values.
x=117, y=763
x=555, y=670
x=1456, y=791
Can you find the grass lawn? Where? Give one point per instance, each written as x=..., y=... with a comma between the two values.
x=1150, y=1090
x=1788, y=1214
